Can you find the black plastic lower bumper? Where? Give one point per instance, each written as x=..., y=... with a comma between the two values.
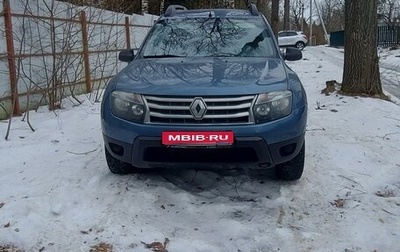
x=246, y=152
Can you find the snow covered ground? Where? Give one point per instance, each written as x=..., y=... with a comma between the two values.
x=56, y=193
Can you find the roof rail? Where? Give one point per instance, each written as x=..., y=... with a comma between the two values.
x=172, y=9
x=253, y=9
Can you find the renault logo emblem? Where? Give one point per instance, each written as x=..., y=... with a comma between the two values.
x=198, y=108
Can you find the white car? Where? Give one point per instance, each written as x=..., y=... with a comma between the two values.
x=292, y=38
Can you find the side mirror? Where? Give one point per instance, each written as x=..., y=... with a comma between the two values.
x=126, y=55
x=293, y=54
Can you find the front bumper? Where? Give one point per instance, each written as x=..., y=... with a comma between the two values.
x=256, y=145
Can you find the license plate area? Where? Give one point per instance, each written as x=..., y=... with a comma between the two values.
x=187, y=139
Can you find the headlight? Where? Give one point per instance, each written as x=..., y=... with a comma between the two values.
x=128, y=106
x=272, y=106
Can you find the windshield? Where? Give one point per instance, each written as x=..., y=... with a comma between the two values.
x=209, y=37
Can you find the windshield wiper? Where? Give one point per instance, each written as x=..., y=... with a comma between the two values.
x=254, y=44
x=161, y=56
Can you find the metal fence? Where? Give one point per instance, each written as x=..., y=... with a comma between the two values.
x=389, y=35
x=69, y=63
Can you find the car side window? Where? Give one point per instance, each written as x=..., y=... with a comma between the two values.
x=282, y=34
x=292, y=34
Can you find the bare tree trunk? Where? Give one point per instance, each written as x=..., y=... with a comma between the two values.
x=125, y=6
x=154, y=7
x=262, y=6
x=286, y=15
x=240, y=4
x=137, y=7
x=275, y=16
x=361, y=70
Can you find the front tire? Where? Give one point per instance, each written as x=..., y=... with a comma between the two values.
x=293, y=169
x=117, y=166
x=300, y=45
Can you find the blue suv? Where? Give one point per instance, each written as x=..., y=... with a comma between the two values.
x=207, y=88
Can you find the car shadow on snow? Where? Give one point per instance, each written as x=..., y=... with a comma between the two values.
x=234, y=185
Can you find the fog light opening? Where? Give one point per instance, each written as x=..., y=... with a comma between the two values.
x=117, y=149
x=287, y=149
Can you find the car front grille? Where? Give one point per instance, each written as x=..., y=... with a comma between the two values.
x=219, y=110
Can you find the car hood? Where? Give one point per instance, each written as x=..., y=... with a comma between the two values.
x=204, y=76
